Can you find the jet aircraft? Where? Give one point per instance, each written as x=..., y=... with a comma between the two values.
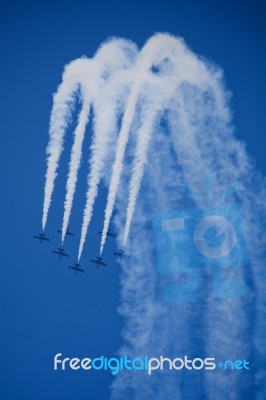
x=60, y=252
x=67, y=232
x=109, y=233
x=42, y=237
x=119, y=253
x=99, y=262
x=76, y=268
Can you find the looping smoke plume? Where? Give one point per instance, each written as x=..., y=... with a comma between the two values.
x=162, y=115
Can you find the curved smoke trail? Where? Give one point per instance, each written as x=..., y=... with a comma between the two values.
x=199, y=130
x=107, y=108
x=118, y=164
x=59, y=121
x=112, y=56
x=75, y=163
x=147, y=56
x=173, y=73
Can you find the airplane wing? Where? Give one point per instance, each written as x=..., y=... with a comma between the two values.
x=80, y=269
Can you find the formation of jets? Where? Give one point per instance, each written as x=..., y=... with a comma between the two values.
x=60, y=252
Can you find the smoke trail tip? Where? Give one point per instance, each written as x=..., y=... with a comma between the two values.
x=43, y=224
x=124, y=240
x=80, y=252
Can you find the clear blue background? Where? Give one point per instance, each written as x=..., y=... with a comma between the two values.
x=45, y=309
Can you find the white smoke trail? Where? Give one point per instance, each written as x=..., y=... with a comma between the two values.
x=60, y=118
x=172, y=72
x=106, y=108
x=88, y=75
x=118, y=164
x=201, y=135
x=157, y=52
x=112, y=56
x=106, y=112
x=143, y=66
x=99, y=149
x=144, y=136
x=75, y=162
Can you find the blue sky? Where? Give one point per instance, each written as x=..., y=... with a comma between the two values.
x=46, y=309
